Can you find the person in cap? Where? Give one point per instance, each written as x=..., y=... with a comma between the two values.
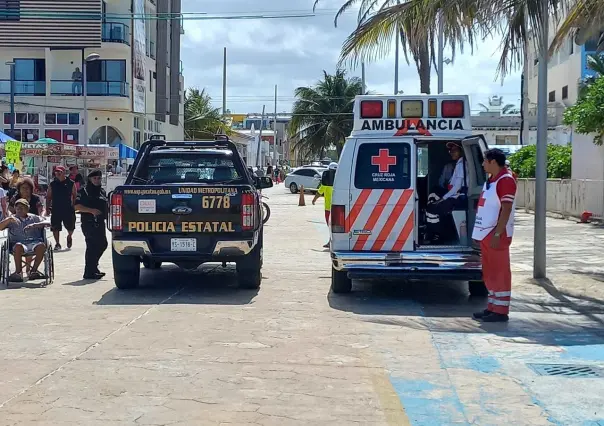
x=91, y=202
x=455, y=195
x=59, y=204
x=26, y=235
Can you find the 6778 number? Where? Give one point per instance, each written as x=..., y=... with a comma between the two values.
x=216, y=202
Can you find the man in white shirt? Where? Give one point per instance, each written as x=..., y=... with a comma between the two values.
x=455, y=196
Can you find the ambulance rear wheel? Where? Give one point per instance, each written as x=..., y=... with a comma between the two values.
x=478, y=288
x=340, y=283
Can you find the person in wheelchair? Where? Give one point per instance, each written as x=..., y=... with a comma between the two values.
x=26, y=238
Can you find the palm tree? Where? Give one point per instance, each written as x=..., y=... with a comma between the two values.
x=377, y=26
x=595, y=63
x=584, y=20
x=322, y=114
x=202, y=120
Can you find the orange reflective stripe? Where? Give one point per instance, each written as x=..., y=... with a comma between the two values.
x=373, y=218
x=355, y=211
x=394, y=216
x=405, y=232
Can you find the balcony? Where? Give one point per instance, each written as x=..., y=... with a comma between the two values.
x=93, y=88
x=24, y=88
x=115, y=32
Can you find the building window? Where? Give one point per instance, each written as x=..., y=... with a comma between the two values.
x=30, y=77
x=137, y=139
x=62, y=118
x=70, y=136
x=137, y=123
x=552, y=96
x=24, y=135
x=23, y=118
x=150, y=81
x=10, y=10
x=565, y=92
x=106, y=78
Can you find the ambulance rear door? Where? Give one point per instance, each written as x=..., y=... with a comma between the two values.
x=381, y=217
x=474, y=148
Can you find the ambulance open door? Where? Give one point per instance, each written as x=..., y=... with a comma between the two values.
x=474, y=148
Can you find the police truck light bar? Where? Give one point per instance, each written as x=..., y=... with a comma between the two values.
x=452, y=109
x=372, y=109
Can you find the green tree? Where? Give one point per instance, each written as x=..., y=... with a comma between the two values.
x=322, y=115
x=377, y=28
x=595, y=63
x=587, y=115
x=202, y=120
x=559, y=161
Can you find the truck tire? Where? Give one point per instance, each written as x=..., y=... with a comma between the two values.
x=126, y=270
x=340, y=283
x=151, y=264
x=478, y=288
x=249, y=269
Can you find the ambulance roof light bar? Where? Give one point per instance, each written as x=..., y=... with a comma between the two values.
x=452, y=109
x=372, y=109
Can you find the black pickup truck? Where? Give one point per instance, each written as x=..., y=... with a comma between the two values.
x=187, y=203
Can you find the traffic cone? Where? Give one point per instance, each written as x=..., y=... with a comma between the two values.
x=302, y=201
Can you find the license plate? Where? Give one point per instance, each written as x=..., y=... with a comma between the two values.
x=183, y=244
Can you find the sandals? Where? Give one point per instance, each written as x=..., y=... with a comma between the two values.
x=15, y=278
x=36, y=275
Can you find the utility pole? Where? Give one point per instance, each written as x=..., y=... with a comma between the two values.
x=396, y=55
x=363, y=77
x=441, y=53
x=540, y=240
x=524, y=107
x=275, y=155
x=224, y=82
x=258, y=163
x=11, y=64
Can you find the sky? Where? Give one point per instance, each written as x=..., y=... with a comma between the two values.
x=293, y=52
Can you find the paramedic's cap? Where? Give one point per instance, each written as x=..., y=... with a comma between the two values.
x=451, y=145
x=22, y=201
x=332, y=166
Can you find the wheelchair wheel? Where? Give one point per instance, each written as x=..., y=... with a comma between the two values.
x=48, y=267
x=4, y=265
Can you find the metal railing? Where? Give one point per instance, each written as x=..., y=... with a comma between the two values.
x=115, y=32
x=93, y=88
x=24, y=87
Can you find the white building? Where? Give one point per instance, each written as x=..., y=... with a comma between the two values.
x=134, y=89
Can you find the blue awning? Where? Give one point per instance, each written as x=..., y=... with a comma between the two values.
x=127, y=151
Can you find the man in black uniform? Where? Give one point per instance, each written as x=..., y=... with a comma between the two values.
x=91, y=201
x=59, y=204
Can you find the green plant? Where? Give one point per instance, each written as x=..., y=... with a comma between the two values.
x=587, y=115
x=559, y=161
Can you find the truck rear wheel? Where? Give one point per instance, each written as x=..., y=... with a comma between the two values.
x=126, y=270
x=477, y=288
x=340, y=283
x=249, y=269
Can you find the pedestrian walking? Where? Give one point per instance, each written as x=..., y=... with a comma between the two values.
x=76, y=177
x=60, y=199
x=326, y=190
x=91, y=202
x=494, y=228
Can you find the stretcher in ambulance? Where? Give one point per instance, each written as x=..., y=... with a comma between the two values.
x=396, y=155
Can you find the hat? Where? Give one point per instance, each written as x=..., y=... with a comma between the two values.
x=22, y=201
x=507, y=162
x=59, y=169
x=451, y=145
x=95, y=172
x=332, y=166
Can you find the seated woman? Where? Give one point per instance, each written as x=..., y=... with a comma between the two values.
x=25, y=190
x=26, y=235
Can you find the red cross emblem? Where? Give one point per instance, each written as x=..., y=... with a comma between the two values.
x=383, y=160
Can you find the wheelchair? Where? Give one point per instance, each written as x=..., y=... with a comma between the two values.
x=6, y=255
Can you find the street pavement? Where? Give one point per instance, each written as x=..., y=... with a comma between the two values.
x=192, y=349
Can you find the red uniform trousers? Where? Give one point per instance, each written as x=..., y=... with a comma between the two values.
x=497, y=273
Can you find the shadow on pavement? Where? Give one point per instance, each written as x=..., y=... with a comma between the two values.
x=213, y=285
x=547, y=319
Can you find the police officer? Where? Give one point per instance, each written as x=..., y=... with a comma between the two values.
x=92, y=203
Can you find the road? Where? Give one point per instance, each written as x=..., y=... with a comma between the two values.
x=192, y=349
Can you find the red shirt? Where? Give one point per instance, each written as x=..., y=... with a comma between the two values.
x=506, y=188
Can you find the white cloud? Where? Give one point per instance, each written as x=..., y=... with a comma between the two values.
x=294, y=52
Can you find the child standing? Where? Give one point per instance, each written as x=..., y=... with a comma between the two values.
x=326, y=190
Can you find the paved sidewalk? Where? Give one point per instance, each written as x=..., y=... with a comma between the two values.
x=192, y=349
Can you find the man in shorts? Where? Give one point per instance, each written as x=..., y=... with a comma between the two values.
x=59, y=204
x=25, y=233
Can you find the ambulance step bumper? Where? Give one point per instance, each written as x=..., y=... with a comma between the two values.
x=359, y=265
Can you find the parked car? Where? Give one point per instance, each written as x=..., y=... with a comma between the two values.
x=310, y=177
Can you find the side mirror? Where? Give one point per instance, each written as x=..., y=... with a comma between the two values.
x=263, y=182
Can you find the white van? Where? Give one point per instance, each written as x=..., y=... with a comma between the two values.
x=393, y=158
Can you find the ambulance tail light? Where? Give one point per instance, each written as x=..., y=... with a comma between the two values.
x=248, y=212
x=372, y=109
x=391, y=108
x=432, y=108
x=338, y=219
x=452, y=109
x=116, y=212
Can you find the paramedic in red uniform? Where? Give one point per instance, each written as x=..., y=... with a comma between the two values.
x=494, y=229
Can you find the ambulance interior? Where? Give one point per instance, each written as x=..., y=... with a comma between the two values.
x=432, y=157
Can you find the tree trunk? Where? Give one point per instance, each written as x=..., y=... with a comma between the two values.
x=424, y=68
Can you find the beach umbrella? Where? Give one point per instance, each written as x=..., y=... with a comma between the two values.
x=47, y=140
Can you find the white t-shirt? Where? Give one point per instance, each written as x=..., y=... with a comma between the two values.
x=457, y=180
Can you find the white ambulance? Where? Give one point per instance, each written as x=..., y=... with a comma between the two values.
x=396, y=154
